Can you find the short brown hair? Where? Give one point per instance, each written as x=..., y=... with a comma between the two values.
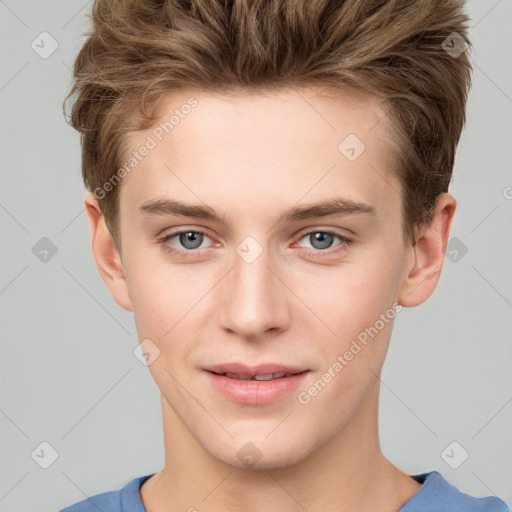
x=138, y=50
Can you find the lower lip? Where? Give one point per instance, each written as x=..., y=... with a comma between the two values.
x=255, y=392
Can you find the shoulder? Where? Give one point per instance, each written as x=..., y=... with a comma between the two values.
x=126, y=499
x=106, y=502
x=437, y=494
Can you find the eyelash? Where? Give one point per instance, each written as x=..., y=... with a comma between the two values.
x=311, y=252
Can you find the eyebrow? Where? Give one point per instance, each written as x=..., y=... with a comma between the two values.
x=334, y=206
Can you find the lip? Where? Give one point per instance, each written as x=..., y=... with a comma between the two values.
x=260, y=369
x=253, y=392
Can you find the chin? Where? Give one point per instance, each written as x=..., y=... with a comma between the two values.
x=261, y=454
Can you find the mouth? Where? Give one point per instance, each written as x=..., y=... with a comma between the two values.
x=261, y=372
x=260, y=377
x=257, y=385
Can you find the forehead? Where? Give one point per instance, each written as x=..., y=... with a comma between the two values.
x=290, y=113
x=247, y=147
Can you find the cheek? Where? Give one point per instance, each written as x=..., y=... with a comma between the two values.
x=352, y=358
x=154, y=291
x=165, y=296
x=354, y=296
x=357, y=304
x=348, y=298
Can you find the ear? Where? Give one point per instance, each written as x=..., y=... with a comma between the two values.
x=428, y=254
x=106, y=255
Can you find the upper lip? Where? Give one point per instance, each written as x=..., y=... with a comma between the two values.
x=249, y=371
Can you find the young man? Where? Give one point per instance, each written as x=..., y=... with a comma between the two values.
x=268, y=185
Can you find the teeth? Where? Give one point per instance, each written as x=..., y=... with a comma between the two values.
x=236, y=376
x=268, y=376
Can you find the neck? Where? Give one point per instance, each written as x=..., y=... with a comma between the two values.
x=347, y=473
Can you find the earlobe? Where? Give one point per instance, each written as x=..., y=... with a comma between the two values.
x=106, y=254
x=427, y=255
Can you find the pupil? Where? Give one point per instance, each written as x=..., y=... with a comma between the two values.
x=190, y=236
x=321, y=238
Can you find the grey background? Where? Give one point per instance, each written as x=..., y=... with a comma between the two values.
x=68, y=373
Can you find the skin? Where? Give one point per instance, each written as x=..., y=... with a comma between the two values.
x=250, y=157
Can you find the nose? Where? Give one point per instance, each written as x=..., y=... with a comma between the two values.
x=253, y=300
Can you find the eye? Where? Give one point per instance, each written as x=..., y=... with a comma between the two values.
x=323, y=239
x=190, y=239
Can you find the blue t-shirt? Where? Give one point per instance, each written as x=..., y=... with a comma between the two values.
x=435, y=495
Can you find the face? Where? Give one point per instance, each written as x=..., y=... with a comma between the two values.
x=265, y=277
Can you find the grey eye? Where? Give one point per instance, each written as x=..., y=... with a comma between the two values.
x=193, y=238
x=320, y=239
